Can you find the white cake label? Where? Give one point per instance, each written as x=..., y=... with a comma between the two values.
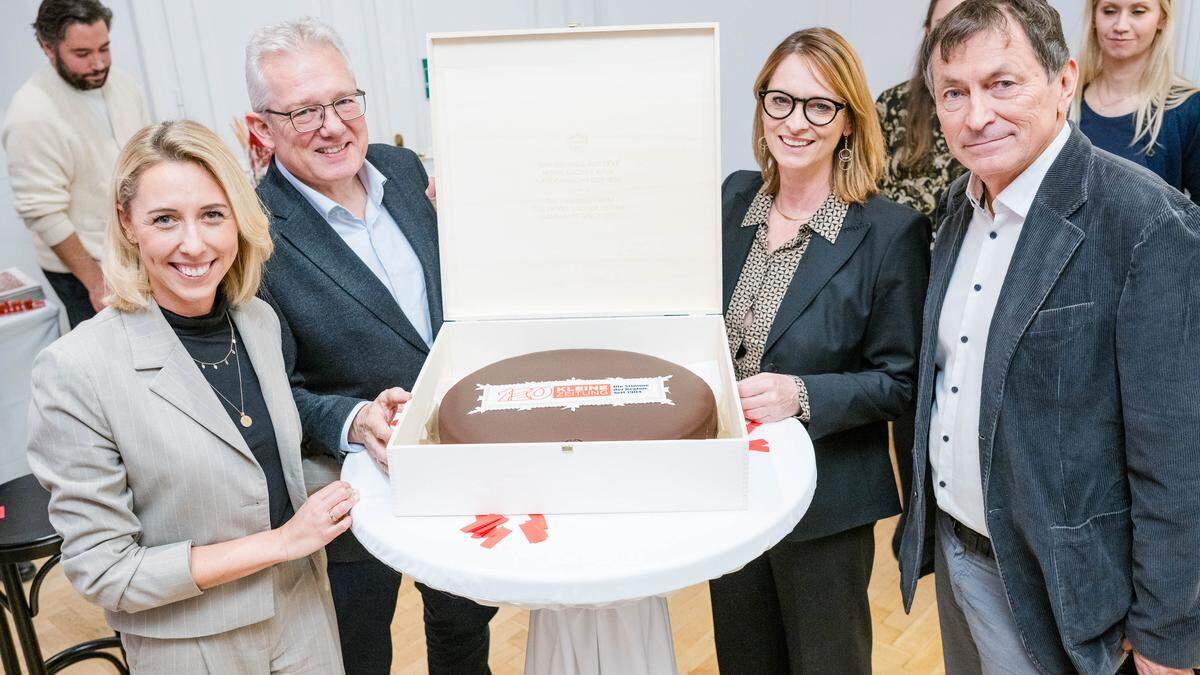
x=571, y=394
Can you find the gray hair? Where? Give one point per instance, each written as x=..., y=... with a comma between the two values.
x=281, y=38
x=1040, y=21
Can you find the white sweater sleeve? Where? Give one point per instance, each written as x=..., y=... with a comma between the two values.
x=39, y=171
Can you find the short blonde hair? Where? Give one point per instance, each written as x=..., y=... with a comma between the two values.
x=836, y=62
x=183, y=141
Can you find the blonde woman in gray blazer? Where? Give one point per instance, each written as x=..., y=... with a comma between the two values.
x=174, y=474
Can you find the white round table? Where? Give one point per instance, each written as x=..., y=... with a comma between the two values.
x=596, y=584
x=22, y=336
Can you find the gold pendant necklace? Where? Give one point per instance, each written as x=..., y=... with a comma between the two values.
x=786, y=216
x=803, y=220
x=228, y=355
x=243, y=418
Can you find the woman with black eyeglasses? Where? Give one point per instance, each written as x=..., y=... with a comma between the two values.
x=824, y=282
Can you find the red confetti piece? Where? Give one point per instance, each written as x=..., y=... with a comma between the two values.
x=752, y=425
x=1, y=513
x=479, y=520
x=494, y=538
x=540, y=520
x=485, y=523
x=486, y=531
x=759, y=445
x=534, y=533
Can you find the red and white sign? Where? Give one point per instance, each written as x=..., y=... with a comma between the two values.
x=571, y=394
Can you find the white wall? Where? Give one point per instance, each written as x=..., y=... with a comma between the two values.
x=189, y=53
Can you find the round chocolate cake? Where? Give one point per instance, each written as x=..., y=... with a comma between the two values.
x=578, y=395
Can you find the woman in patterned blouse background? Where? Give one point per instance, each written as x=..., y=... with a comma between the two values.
x=918, y=166
x=824, y=281
x=1130, y=101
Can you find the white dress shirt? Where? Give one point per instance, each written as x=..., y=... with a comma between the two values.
x=378, y=241
x=962, y=336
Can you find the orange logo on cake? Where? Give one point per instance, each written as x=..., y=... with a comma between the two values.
x=582, y=390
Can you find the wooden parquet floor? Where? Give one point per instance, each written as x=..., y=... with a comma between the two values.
x=903, y=643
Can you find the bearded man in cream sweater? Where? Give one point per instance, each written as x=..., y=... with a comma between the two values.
x=62, y=133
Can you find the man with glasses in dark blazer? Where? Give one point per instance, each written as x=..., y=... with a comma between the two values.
x=355, y=281
x=1056, y=468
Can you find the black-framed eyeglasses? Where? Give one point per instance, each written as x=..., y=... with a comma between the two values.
x=818, y=110
x=312, y=117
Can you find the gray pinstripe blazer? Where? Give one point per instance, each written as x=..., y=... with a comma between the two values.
x=142, y=462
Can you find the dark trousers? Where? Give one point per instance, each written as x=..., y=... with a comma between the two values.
x=73, y=295
x=801, y=607
x=364, y=597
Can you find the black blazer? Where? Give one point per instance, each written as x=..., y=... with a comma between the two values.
x=850, y=326
x=345, y=339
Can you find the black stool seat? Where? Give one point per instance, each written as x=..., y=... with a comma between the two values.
x=26, y=535
x=25, y=531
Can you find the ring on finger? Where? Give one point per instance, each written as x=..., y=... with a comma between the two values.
x=332, y=518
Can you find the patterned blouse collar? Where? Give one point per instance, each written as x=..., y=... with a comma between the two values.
x=827, y=221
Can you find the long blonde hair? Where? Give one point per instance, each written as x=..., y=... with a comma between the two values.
x=183, y=141
x=1161, y=88
x=835, y=61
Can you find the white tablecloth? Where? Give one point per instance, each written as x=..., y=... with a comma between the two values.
x=616, y=563
x=22, y=336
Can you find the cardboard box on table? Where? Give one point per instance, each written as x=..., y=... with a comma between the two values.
x=578, y=180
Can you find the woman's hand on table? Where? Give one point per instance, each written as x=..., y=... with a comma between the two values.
x=372, y=425
x=325, y=515
x=769, y=397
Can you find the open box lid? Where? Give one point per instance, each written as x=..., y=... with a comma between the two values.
x=578, y=171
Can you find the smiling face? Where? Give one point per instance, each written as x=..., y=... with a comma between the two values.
x=800, y=148
x=997, y=107
x=331, y=155
x=82, y=59
x=186, y=234
x=1126, y=29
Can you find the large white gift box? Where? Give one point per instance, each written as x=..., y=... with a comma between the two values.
x=578, y=181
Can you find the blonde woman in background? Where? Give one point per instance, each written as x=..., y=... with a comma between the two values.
x=1130, y=101
x=165, y=431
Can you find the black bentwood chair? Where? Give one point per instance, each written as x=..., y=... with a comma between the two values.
x=25, y=536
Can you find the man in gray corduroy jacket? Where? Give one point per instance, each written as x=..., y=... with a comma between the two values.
x=1056, y=466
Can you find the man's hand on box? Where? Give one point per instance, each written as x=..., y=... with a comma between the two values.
x=372, y=425
x=768, y=397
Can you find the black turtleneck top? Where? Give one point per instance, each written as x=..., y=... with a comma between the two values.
x=207, y=338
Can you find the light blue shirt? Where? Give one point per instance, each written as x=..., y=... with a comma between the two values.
x=377, y=240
